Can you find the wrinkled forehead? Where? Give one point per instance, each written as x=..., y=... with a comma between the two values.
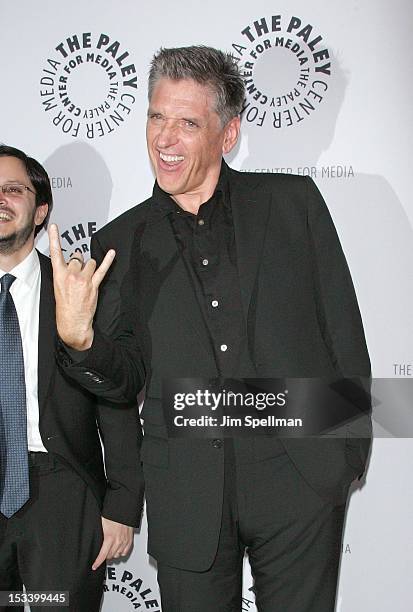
x=185, y=99
x=183, y=88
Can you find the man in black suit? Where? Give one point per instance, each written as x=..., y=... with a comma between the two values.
x=59, y=513
x=234, y=275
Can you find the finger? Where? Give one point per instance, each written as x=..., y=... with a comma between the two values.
x=89, y=267
x=116, y=550
x=56, y=254
x=126, y=550
x=100, y=273
x=112, y=553
x=127, y=546
x=102, y=556
x=76, y=260
x=77, y=254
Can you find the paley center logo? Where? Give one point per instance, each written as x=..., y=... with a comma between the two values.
x=286, y=69
x=73, y=239
x=76, y=238
x=88, y=85
x=124, y=585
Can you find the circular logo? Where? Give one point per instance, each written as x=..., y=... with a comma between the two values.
x=88, y=86
x=76, y=238
x=73, y=239
x=286, y=69
x=124, y=585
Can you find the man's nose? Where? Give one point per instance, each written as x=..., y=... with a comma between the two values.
x=168, y=135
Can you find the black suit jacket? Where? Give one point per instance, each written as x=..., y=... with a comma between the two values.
x=70, y=419
x=302, y=319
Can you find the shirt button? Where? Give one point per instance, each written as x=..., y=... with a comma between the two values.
x=205, y=262
x=217, y=443
x=223, y=347
x=201, y=222
x=214, y=303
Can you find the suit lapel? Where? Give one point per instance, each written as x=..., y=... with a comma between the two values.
x=250, y=210
x=47, y=331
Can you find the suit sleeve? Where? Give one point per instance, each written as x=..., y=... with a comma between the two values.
x=112, y=369
x=338, y=312
x=337, y=307
x=119, y=426
x=121, y=435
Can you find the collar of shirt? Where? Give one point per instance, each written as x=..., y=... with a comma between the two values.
x=27, y=270
x=163, y=203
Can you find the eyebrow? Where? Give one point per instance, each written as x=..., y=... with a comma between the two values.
x=151, y=109
x=196, y=120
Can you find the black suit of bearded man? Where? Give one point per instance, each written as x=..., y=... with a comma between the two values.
x=59, y=529
x=72, y=424
x=302, y=320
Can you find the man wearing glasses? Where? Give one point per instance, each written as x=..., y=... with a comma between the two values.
x=60, y=516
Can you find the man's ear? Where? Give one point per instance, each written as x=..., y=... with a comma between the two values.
x=41, y=213
x=231, y=134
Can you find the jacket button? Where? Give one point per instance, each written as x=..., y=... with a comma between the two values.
x=217, y=443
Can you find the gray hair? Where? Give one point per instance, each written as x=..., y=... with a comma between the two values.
x=207, y=66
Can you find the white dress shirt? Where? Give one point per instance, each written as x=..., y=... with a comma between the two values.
x=25, y=292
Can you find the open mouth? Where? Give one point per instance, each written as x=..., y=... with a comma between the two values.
x=5, y=216
x=170, y=161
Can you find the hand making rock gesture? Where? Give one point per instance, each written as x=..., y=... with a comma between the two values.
x=76, y=286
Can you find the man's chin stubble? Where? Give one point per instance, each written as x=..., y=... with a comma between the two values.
x=12, y=243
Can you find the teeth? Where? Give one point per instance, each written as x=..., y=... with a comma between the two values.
x=4, y=217
x=171, y=158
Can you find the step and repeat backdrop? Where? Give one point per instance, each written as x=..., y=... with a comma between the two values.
x=328, y=95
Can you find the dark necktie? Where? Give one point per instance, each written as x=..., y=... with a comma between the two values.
x=14, y=470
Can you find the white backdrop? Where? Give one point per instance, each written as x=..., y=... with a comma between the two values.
x=339, y=74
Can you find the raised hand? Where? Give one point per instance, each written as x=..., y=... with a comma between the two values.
x=76, y=287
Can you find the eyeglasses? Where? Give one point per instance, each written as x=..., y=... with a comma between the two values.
x=15, y=189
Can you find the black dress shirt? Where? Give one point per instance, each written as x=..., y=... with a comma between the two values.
x=207, y=244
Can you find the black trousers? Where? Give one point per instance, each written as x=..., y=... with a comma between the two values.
x=51, y=543
x=292, y=536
